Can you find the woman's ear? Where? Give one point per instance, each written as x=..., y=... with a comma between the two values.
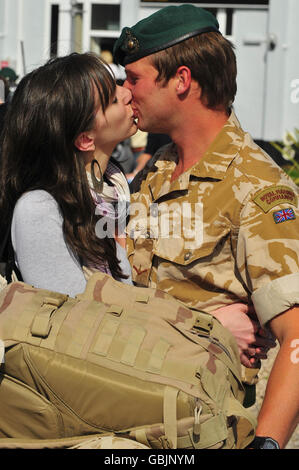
x=85, y=142
x=183, y=76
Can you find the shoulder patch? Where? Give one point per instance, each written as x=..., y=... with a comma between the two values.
x=274, y=195
x=283, y=215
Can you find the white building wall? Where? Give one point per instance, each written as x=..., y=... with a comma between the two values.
x=252, y=56
x=8, y=42
x=34, y=29
x=24, y=22
x=282, y=86
x=129, y=12
x=65, y=44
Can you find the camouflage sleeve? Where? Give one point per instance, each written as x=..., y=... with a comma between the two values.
x=268, y=250
x=275, y=297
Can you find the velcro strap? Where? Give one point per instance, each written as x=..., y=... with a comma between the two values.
x=106, y=335
x=143, y=298
x=41, y=325
x=133, y=345
x=158, y=355
x=55, y=301
x=170, y=416
x=115, y=310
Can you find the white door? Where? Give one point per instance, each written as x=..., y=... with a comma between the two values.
x=250, y=36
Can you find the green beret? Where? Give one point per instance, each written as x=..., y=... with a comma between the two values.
x=162, y=29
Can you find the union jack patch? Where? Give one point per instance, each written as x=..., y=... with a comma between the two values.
x=283, y=215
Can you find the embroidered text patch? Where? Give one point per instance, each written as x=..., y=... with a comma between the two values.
x=275, y=195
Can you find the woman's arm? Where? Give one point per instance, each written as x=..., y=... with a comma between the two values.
x=41, y=253
x=279, y=414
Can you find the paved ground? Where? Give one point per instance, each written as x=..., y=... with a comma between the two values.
x=260, y=391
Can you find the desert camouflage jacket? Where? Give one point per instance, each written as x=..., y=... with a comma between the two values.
x=226, y=230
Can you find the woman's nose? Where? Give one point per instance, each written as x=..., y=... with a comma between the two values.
x=126, y=85
x=127, y=95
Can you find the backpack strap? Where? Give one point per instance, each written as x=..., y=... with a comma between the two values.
x=41, y=324
x=170, y=416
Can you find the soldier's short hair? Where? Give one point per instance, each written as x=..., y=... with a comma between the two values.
x=212, y=62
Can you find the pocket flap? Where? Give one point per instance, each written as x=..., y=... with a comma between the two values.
x=185, y=252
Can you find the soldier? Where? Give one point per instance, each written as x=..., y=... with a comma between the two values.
x=214, y=220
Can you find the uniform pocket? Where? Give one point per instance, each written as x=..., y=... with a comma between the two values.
x=190, y=237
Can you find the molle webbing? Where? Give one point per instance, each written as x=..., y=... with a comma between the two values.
x=122, y=361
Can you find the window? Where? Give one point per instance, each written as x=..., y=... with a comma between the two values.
x=105, y=17
x=54, y=30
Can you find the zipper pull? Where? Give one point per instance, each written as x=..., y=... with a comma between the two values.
x=196, y=427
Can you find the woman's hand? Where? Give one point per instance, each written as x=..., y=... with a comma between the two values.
x=253, y=341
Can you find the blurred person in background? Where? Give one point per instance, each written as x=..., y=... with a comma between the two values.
x=153, y=143
x=11, y=79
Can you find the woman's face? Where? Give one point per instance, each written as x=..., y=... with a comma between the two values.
x=117, y=123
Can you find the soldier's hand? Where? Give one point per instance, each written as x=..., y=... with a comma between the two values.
x=264, y=341
x=253, y=342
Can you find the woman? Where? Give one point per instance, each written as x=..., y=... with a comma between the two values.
x=66, y=117
x=65, y=120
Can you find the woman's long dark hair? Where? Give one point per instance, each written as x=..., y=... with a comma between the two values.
x=51, y=106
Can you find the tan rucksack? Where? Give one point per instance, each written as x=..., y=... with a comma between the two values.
x=118, y=360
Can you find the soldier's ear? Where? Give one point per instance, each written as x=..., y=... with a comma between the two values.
x=85, y=142
x=183, y=79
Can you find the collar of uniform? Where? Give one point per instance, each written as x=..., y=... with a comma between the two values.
x=213, y=164
x=221, y=152
x=159, y=183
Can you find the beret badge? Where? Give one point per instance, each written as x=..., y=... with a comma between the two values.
x=131, y=44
